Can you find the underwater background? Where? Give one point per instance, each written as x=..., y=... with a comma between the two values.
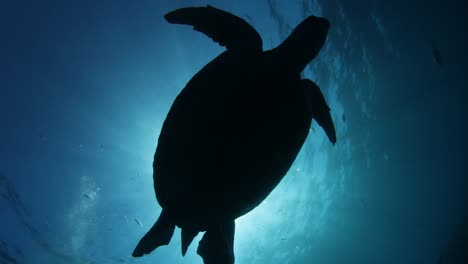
x=85, y=86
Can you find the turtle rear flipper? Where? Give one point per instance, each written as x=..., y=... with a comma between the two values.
x=217, y=244
x=159, y=235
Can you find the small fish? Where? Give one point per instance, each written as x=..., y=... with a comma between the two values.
x=138, y=222
x=437, y=56
x=87, y=196
x=386, y=156
x=440, y=260
x=363, y=203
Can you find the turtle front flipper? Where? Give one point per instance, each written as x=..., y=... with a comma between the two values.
x=318, y=108
x=159, y=235
x=217, y=244
x=228, y=30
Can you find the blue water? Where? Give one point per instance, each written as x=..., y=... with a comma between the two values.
x=85, y=86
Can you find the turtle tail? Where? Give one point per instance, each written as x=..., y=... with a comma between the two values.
x=159, y=235
x=188, y=234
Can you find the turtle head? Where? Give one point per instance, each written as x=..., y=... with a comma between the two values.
x=304, y=43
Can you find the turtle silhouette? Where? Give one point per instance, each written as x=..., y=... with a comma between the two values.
x=234, y=131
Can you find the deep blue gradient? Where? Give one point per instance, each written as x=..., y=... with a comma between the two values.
x=85, y=86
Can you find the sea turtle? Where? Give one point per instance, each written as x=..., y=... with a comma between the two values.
x=233, y=132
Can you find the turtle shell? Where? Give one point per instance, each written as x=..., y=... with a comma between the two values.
x=229, y=138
